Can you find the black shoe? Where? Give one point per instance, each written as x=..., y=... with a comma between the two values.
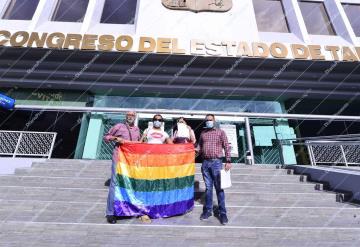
x=107, y=182
x=223, y=219
x=111, y=219
x=205, y=215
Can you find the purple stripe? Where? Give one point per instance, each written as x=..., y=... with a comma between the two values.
x=122, y=208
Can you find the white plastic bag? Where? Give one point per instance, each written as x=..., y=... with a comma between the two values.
x=225, y=179
x=183, y=130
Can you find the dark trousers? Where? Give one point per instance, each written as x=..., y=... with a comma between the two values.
x=111, y=195
x=211, y=173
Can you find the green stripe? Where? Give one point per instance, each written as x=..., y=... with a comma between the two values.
x=154, y=185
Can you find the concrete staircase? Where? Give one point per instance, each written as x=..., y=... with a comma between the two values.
x=62, y=203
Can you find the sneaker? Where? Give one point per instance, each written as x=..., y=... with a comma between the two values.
x=111, y=219
x=107, y=182
x=224, y=219
x=205, y=215
x=145, y=219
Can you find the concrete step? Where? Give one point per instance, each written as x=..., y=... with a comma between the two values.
x=87, y=234
x=73, y=162
x=78, y=164
x=315, y=199
x=268, y=187
x=74, y=165
x=71, y=182
x=62, y=203
x=267, y=178
x=105, y=171
x=99, y=163
x=246, y=216
x=96, y=165
x=198, y=176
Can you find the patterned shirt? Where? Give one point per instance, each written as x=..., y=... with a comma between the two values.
x=120, y=130
x=212, y=142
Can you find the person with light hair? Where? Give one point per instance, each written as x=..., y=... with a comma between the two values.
x=119, y=134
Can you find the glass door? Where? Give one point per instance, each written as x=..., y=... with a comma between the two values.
x=235, y=132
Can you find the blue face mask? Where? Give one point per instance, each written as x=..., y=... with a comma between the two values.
x=157, y=124
x=209, y=124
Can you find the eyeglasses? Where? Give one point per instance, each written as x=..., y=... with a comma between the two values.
x=159, y=119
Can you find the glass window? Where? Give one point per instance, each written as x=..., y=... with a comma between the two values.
x=352, y=11
x=20, y=9
x=119, y=11
x=70, y=10
x=188, y=104
x=316, y=18
x=270, y=16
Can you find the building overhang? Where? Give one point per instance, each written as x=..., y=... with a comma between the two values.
x=114, y=73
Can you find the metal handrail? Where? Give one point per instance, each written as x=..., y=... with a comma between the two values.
x=34, y=132
x=26, y=148
x=337, y=149
x=337, y=137
x=187, y=112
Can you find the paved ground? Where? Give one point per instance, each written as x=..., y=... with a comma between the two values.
x=62, y=202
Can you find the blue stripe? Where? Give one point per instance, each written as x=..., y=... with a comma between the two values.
x=153, y=198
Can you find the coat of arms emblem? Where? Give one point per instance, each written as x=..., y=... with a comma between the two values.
x=199, y=5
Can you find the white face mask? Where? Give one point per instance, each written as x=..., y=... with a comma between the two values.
x=209, y=124
x=157, y=124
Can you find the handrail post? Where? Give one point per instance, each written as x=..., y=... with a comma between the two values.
x=343, y=153
x=52, y=146
x=17, y=144
x=249, y=141
x=311, y=154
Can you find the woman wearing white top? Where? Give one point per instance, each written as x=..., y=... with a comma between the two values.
x=156, y=135
x=183, y=133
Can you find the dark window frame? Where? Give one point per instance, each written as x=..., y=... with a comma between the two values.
x=327, y=15
x=7, y=14
x=55, y=12
x=352, y=4
x=285, y=19
x=104, y=20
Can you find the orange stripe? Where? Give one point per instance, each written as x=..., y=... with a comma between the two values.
x=156, y=160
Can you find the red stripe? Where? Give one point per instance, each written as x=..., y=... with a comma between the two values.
x=144, y=148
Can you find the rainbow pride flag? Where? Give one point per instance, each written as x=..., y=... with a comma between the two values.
x=154, y=180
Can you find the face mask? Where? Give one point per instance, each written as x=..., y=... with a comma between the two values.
x=157, y=124
x=209, y=124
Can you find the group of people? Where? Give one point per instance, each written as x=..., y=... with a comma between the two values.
x=210, y=147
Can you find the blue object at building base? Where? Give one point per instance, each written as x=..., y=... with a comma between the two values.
x=6, y=102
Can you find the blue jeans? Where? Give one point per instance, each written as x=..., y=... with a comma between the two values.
x=211, y=173
x=111, y=195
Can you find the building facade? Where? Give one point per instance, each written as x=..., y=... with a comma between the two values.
x=259, y=56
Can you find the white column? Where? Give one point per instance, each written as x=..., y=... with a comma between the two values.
x=3, y=5
x=295, y=19
x=93, y=14
x=42, y=14
x=250, y=12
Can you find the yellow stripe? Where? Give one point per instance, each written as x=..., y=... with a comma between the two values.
x=152, y=173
